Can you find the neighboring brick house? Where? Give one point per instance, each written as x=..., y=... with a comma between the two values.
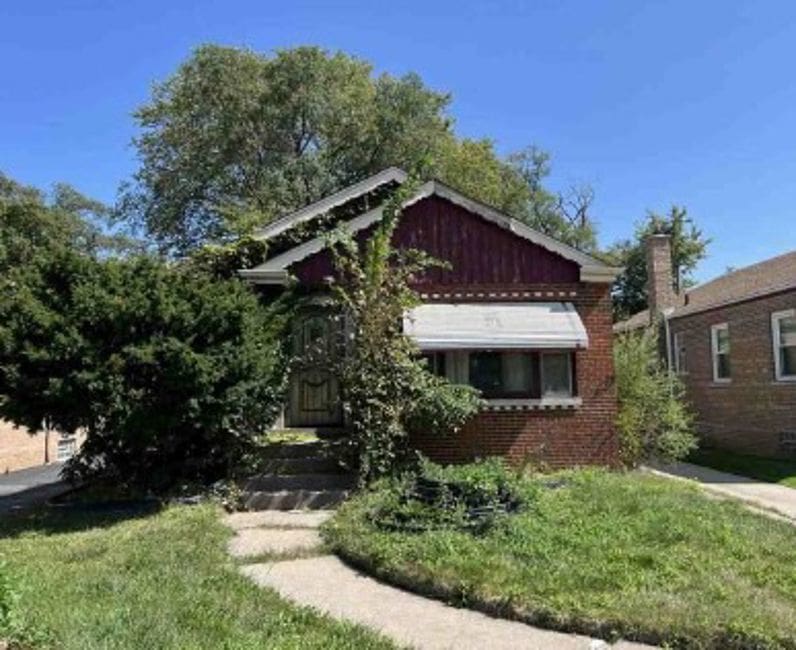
x=19, y=449
x=733, y=341
x=523, y=317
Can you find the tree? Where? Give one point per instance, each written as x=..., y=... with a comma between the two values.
x=387, y=388
x=689, y=247
x=34, y=224
x=564, y=216
x=654, y=422
x=235, y=138
x=170, y=373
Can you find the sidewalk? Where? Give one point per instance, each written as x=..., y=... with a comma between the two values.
x=765, y=496
x=274, y=547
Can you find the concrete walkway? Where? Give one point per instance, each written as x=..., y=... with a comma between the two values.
x=326, y=584
x=764, y=497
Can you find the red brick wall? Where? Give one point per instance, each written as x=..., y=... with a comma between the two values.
x=750, y=413
x=556, y=438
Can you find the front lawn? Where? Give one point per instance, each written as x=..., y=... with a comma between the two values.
x=609, y=554
x=771, y=470
x=156, y=581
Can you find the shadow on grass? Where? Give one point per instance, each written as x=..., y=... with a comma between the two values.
x=67, y=516
x=772, y=470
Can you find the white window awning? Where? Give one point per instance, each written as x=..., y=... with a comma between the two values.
x=490, y=326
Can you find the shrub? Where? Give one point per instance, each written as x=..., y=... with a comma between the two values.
x=172, y=374
x=654, y=422
x=385, y=384
x=473, y=497
x=441, y=407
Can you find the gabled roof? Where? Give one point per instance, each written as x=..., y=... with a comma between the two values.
x=755, y=281
x=274, y=270
x=389, y=175
x=770, y=276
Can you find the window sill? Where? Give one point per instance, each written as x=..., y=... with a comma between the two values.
x=787, y=379
x=721, y=383
x=544, y=404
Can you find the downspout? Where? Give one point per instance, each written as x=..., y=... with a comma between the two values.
x=667, y=333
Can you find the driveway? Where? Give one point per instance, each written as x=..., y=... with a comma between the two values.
x=28, y=487
x=769, y=497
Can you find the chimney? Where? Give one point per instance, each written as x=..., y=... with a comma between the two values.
x=660, y=291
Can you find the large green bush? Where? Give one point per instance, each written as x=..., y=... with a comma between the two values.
x=170, y=373
x=654, y=421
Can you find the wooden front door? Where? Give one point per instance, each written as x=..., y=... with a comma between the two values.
x=314, y=399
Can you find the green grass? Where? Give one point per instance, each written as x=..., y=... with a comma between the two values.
x=289, y=436
x=157, y=581
x=609, y=554
x=771, y=470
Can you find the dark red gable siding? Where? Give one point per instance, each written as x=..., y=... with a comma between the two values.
x=478, y=251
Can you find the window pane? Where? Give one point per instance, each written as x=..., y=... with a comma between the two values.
x=787, y=331
x=517, y=373
x=723, y=366
x=486, y=372
x=555, y=374
x=722, y=341
x=435, y=362
x=788, y=361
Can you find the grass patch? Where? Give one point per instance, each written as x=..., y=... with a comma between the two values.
x=771, y=470
x=280, y=436
x=608, y=554
x=163, y=580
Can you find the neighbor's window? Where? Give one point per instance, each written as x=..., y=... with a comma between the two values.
x=680, y=360
x=720, y=348
x=66, y=449
x=783, y=325
x=502, y=374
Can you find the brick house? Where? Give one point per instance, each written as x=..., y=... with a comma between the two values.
x=19, y=449
x=521, y=316
x=733, y=342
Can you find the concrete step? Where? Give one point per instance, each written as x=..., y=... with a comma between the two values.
x=313, y=448
x=272, y=482
x=293, y=499
x=308, y=465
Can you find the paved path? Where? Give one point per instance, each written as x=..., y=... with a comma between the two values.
x=327, y=584
x=28, y=487
x=762, y=496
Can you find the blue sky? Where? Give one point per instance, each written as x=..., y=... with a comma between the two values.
x=652, y=103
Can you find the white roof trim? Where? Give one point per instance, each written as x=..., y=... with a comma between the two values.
x=289, y=257
x=391, y=174
x=259, y=276
x=496, y=326
x=591, y=269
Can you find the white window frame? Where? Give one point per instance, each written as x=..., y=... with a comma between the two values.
x=776, y=317
x=714, y=352
x=541, y=375
x=70, y=444
x=678, y=344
